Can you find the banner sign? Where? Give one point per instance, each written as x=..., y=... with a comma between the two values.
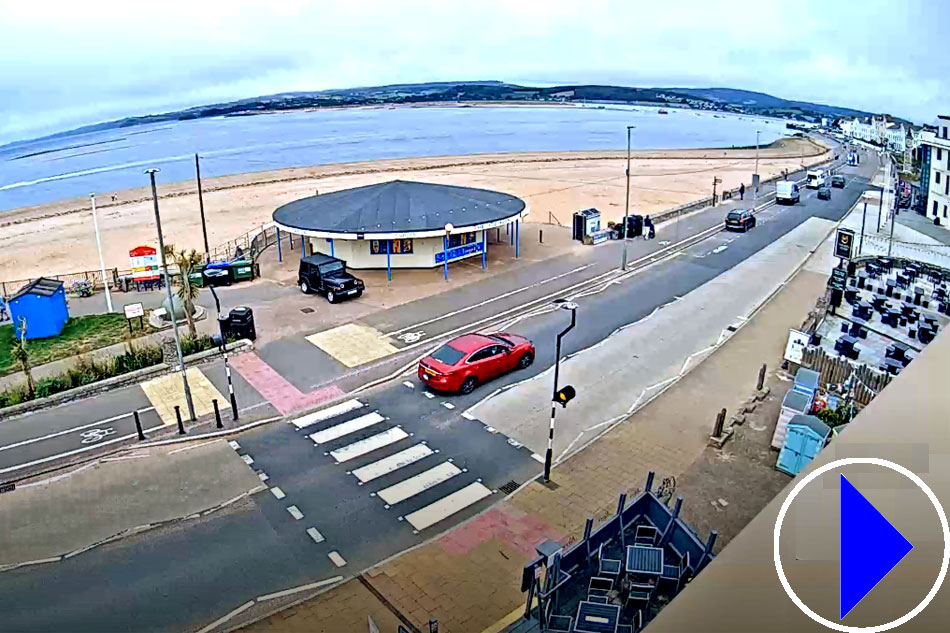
x=844, y=243
x=144, y=263
x=839, y=277
x=794, y=348
x=134, y=310
x=459, y=252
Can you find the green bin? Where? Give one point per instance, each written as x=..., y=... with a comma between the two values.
x=242, y=269
x=197, y=278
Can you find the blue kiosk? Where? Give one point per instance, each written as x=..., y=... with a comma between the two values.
x=42, y=303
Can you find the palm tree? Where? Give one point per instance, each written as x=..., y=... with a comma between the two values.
x=188, y=263
x=21, y=356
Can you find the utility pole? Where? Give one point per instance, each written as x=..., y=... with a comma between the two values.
x=168, y=290
x=102, y=263
x=626, y=211
x=755, y=175
x=201, y=208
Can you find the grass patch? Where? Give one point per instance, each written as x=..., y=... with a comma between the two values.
x=80, y=335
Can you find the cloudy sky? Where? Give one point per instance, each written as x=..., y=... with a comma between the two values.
x=65, y=64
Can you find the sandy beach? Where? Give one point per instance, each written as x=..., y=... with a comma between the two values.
x=58, y=238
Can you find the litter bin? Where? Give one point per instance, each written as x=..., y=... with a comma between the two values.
x=634, y=225
x=217, y=277
x=224, y=326
x=241, y=323
x=242, y=269
x=197, y=278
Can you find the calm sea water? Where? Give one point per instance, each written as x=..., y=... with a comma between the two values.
x=46, y=171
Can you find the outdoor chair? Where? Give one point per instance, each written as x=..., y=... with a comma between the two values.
x=597, y=598
x=560, y=624
x=640, y=595
x=673, y=576
x=600, y=586
x=645, y=535
x=608, y=567
x=624, y=628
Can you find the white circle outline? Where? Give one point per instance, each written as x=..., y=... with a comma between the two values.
x=943, y=524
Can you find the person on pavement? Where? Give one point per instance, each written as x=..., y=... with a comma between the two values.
x=651, y=232
x=742, y=191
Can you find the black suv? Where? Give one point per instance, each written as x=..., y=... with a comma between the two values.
x=327, y=275
x=740, y=220
x=838, y=181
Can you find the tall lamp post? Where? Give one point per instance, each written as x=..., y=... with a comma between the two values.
x=445, y=251
x=755, y=173
x=626, y=211
x=102, y=262
x=558, y=396
x=168, y=289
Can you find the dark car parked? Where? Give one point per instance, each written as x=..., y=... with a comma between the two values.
x=740, y=220
x=328, y=276
x=838, y=181
x=824, y=193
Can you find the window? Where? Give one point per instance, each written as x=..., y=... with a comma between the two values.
x=937, y=177
x=449, y=355
x=935, y=208
x=945, y=131
x=396, y=247
x=939, y=154
x=460, y=239
x=944, y=210
x=482, y=354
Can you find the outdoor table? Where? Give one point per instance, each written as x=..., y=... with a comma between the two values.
x=891, y=284
x=893, y=366
x=593, y=617
x=644, y=560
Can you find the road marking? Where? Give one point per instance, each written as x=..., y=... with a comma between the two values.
x=247, y=459
x=448, y=405
x=368, y=445
x=295, y=512
x=447, y=506
x=167, y=391
x=70, y=453
x=263, y=476
x=392, y=463
x=487, y=301
x=408, y=384
x=353, y=344
x=278, y=492
x=428, y=394
x=234, y=445
x=345, y=428
x=325, y=414
x=420, y=483
x=288, y=592
x=719, y=249
x=468, y=416
x=336, y=559
x=187, y=448
x=537, y=458
x=315, y=535
x=96, y=435
x=76, y=428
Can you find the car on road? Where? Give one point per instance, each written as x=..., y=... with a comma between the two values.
x=787, y=192
x=824, y=193
x=471, y=359
x=328, y=276
x=740, y=220
x=838, y=181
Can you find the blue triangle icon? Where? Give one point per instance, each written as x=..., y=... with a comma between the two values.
x=870, y=547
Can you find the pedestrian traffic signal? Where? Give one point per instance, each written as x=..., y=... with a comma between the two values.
x=565, y=395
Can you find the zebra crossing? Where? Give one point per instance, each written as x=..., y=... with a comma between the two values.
x=383, y=455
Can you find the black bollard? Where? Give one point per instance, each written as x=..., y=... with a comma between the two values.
x=541, y=236
x=720, y=422
x=138, y=425
x=181, y=427
x=217, y=414
x=761, y=382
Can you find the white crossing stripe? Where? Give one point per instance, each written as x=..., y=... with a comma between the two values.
x=352, y=426
x=247, y=459
x=537, y=458
x=234, y=445
x=263, y=476
x=421, y=482
x=448, y=405
x=278, y=492
x=392, y=463
x=370, y=444
x=295, y=512
x=336, y=559
x=447, y=506
x=408, y=384
x=325, y=414
x=428, y=394
x=315, y=535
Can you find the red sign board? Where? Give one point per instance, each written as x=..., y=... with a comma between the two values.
x=144, y=263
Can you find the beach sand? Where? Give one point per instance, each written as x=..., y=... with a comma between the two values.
x=58, y=238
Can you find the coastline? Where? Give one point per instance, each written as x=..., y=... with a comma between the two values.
x=550, y=182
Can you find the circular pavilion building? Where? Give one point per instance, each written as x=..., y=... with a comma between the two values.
x=400, y=224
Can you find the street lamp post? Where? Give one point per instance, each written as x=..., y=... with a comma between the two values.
x=102, y=262
x=549, y=455
x=626, y=211
x=445, y=251
x=168, y=289
x=755, y=174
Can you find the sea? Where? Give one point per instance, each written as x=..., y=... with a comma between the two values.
x=43, y=171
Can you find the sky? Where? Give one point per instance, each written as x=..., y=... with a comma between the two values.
x=65, y=64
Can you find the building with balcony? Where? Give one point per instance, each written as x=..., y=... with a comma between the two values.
x=937, y=146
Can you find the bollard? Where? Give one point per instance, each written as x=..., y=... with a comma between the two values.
x=720, y=422
x=217, y=414
x=540, y=236
x=761, y=382
x=181, y=427
x=138, y=425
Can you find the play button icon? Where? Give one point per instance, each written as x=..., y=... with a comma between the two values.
x=870, y=547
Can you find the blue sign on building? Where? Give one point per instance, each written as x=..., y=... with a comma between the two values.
x=459, y=252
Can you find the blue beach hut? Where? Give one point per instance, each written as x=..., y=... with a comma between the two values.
x=805, y=437
x=42, y=302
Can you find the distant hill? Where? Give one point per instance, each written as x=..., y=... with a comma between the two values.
x=728, y=99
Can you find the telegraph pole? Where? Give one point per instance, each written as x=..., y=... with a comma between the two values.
x=626, y=211
x=201, y=208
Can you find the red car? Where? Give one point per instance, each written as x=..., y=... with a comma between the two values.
x=468, y=360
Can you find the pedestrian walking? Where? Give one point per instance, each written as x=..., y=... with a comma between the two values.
x=742, y=191
x=651, y=232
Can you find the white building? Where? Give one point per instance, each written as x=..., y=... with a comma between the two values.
x=896, y=134
x=938, y=194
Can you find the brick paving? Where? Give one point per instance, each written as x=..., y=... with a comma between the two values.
x=469, y=578
x=285, y=397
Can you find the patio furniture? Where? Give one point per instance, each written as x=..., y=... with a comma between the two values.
x=600, y=586
x=560, y=624
x=608, y=567
x=644, y=561
x=646, y=535
x=673, y=577
x=597, y=599
x=596, y=618
x=624, y=628
x=640, y=595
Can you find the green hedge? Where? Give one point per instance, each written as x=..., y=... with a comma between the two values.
x=89, y=370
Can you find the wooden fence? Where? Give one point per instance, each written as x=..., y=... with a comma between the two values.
x=836, y=370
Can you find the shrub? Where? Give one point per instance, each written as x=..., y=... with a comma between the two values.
x=193, y=345
x=46, y=387
x=14, y=395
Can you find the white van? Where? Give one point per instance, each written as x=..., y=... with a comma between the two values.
x=786, y=192
x=815, y=179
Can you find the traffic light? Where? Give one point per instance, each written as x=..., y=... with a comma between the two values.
x=565, y=395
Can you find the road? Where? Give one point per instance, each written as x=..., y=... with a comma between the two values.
x=451, y=467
